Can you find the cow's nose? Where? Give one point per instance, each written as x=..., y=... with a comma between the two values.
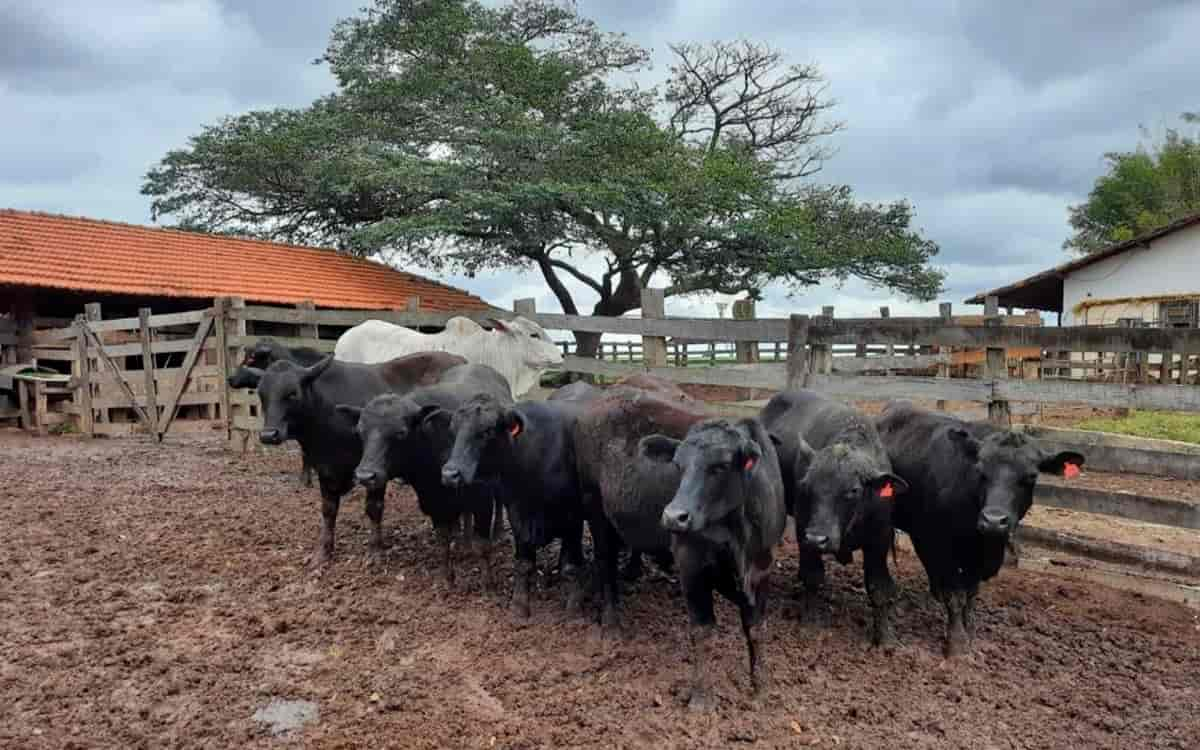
x=365, y=477
x=994, y=522
x=451, y=476
x=269, y=437
x=819, y=542
x=676, y=520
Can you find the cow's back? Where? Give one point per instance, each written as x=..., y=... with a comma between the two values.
x=632, y=492
x=410, y=371
x=923, y=455
x=644, y=381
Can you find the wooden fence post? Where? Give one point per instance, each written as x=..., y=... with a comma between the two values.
x=654, y=348
x=821, y=352
x=236, y=328
x=82, y=371
x=221, y=324
x=747, y=351
x=797, y=357
x=945, y=312
x=148, y=370
x=999, y=412
x=308, y=330
x=23, y=314
x=91, y=314
x=890, y=350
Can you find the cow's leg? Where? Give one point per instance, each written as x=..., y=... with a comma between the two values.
x=570, y=566
x=306, y=471
x=753, y=620
x=607, y=553
x=330, y=502
x=969, y=622
x=955, y=600
x=524, y=565
x=698, y=592
x=443, y=529
x=812, y=581
x=375, y=513
x=634, y=567
x=881, y=592
x=482, y=540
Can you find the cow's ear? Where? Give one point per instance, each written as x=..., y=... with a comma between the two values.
x=963, y=440
x=658, y=448
x=749, y=454
x=309, y=374
x=514, y=423
x=499, y=325
x=432, y=418
x=1064, y=464
x=778, y=441
x=804, y=456
x=886, y=486
x=354, y=412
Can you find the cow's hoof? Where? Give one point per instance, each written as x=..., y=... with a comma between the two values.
x=632, y=573
x=574, y=605
x=519, y=609
x=957, y=645
x=700, y=701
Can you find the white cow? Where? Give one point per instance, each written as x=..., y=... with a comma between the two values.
x=518, y=349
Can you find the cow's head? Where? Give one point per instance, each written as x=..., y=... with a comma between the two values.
x=836, y=487
x=1006, y=465
x=261, y=354
x=391, y=428
x=283, y=392
x=483, y=431
x=245, y=377
x=717, y=460
x=530, y=343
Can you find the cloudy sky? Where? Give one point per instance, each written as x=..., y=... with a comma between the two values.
x=991, y=118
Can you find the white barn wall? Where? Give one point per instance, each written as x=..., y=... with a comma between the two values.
x=1170, y=265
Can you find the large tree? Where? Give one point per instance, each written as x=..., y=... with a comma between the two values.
x=1141, y=191
x=475, y=138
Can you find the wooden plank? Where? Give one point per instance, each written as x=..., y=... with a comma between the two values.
x=166, y=378
x=900, y=387
x=1131, y=396
x=1114, y=552
x=1078, y=338
x=1143, y=508
x=189, y=362
x=121, y=324
x=159, y=347
x=151, y=392
x=884, y=362
x=8, y=338
x=22, y=387
x=191, y=398
x=762, y=375
x=99, y=349
x=321, y=346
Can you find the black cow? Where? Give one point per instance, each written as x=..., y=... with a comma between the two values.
x=300, y=403
x=262, y=355
x=726, y=517
x=625, y=493
x=527, y=450
x=970, y=486
x=840, y=490
x=408, y=437
x=577, y=391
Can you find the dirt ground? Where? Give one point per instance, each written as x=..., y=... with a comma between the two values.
x=154, y=596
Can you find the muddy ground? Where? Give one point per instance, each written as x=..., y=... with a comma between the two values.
x=154, y=596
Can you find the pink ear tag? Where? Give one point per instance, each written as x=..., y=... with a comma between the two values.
x=887, y=491
x=515, y=429
x=1070, y=470
x=749, y=463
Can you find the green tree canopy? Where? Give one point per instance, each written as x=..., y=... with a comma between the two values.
x=473, y=138
x=1142, y=190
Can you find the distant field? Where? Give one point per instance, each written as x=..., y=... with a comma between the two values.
x=1150, y=424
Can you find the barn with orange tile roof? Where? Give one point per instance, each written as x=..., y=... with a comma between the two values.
x=55, y=264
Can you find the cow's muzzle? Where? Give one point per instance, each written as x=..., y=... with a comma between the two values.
x=994, y=522
x=270, y=437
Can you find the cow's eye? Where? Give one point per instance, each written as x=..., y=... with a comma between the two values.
x=535, y=335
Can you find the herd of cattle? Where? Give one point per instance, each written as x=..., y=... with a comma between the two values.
x=647, y=469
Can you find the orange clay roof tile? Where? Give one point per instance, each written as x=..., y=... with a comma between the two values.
x=63, y=252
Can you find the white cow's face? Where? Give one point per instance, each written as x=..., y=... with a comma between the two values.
x=536, y=348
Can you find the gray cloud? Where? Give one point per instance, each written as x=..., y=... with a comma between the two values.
x=990, y=118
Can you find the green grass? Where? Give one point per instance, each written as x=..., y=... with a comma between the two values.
x=1151, y=424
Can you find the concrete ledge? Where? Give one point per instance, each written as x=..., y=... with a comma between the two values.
x=1123, y=453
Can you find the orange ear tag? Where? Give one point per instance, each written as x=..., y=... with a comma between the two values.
x=515, y=429
x=1070, y=471
x=749, y=464
x=887, y=491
